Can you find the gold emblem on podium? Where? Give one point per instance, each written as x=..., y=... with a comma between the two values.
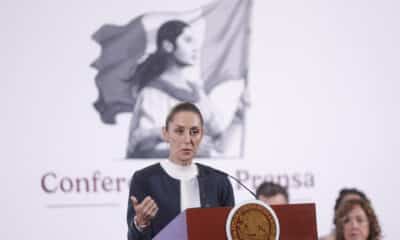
x=252, y=220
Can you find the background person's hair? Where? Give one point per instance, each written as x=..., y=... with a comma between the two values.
x=183, y=107
x=157, y=62
x=346, y=191
x=346, y=207
x=270, y=189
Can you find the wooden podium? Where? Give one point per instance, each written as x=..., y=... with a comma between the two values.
x=297, y=222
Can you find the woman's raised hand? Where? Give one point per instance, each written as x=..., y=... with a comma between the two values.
x=144, y=211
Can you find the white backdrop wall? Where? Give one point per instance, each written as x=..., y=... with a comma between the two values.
x=324, y=86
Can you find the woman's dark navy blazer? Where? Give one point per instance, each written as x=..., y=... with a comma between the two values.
x=215, y=191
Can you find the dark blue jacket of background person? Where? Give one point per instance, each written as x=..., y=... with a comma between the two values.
x=215, y=191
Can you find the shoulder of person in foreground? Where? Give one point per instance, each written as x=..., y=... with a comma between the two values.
x=147, y=171
x=206, y=171
x=218, y=179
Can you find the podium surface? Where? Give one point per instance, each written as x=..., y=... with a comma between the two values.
x=297, y=222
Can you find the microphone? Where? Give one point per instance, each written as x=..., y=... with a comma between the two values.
x=237, y=180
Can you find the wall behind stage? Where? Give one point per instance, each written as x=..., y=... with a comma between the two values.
x=324, y=86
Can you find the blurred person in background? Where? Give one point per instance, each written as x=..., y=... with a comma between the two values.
x=272, y=193
x=345, y=194
x=356, y=220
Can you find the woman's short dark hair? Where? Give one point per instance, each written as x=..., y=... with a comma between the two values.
x=183, y=107
x=346, y=207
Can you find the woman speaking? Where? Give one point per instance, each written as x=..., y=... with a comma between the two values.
x=158, y=193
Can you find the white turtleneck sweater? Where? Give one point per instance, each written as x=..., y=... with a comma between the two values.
x=187, y=175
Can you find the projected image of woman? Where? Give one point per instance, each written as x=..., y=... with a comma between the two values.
x=161, y=85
